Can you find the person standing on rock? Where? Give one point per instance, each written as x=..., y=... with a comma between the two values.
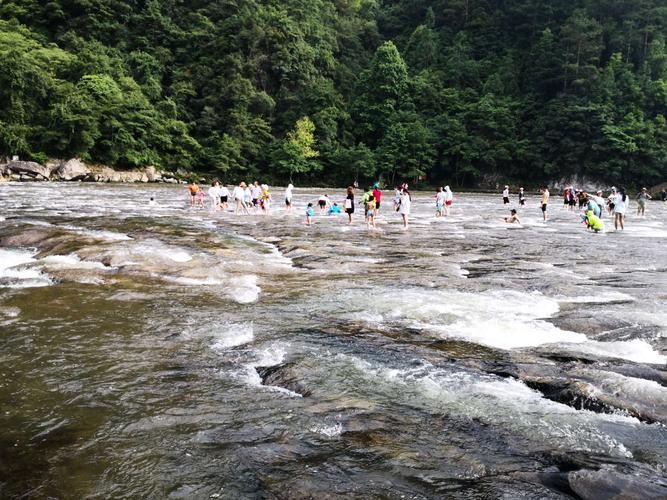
x=545, y=202
x=620, y=206
x=642, y=198
x=377, y=194
x=449, y=199
x=288, y=198
x=349, y=204
x=214, y=194
x=194, y=191
x=241, y=207
x=405, y=207
x=224, y=197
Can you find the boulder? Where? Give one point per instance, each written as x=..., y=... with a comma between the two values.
x=73, y=170
x=29, y=168
x=152, y=174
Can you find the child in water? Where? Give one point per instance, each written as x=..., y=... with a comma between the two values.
x=310, y=212
x=334, y=209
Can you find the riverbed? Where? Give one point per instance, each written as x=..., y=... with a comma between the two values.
x=167, y=352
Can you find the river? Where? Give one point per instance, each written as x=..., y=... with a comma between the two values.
x=165, y=352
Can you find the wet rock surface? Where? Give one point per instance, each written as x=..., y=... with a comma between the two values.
x=158, y=351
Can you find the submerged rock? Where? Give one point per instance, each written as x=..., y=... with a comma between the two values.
x=283, y=375
x=603, y=484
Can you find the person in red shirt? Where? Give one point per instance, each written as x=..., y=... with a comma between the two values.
x=377, y=194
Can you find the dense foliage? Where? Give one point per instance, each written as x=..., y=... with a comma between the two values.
x=463, y=91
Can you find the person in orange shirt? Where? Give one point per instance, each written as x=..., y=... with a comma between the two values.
x=194, y=190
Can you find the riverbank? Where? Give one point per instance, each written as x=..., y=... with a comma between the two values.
x=75, y=170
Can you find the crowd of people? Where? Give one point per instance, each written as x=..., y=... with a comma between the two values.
x=245, y=199
x=591, y=205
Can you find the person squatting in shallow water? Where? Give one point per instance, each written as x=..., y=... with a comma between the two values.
x=513, y=218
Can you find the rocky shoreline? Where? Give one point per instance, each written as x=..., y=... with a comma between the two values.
x=75, y=170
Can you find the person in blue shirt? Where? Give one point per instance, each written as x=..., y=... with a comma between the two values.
x=334, y=210
x=591, y=205
x=310, y=212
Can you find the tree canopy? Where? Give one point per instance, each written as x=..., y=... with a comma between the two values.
x=459, y=91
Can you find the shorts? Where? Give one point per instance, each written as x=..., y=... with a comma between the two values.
x=377, y=206
x=449, y=203
x=193, y=194
x=288, y=202
x=506, y=200
x=544, y=207
x=566, y=202
x=522, y=202
x=611, y=206
x=439, y=207
x=223, y=199
x=322, y=203
x=255, y=201
x=349, y=210
x=642, y=203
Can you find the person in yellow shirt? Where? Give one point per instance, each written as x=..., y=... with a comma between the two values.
x=545, y=202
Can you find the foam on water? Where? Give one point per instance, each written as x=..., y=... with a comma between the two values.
x=16, y=270
x=179, y=256
x=502, y=402
x=636, y=350
x=504, y=320
x=232, y=335
x=498, y=319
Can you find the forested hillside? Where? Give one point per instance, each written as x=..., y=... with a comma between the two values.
x=463, y=91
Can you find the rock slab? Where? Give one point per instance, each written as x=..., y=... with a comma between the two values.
x=29, y=168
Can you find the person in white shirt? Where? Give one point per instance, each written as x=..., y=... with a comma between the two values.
x=620, y=206
x=214, y=194
x=440, y=202
x=506, y=195
x=404, y=208
x=238, y=196
x=288, y=198
x=224, y=197
x=449, y=199
x=323, y=202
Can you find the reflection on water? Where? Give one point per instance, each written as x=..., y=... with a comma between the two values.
x=167, y=352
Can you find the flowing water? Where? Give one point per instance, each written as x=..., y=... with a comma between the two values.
x=165, y=352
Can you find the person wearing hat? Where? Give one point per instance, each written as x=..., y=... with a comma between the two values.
x=506, y=195
x=642, y=198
